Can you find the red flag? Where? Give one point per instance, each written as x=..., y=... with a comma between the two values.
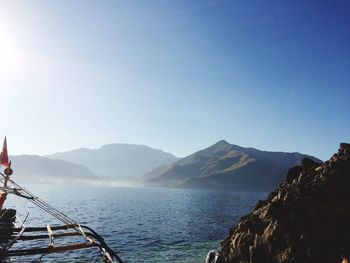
x=4, y=158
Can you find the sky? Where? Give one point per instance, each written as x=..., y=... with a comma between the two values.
x=175, y=75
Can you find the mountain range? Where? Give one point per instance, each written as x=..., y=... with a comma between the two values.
x=38, y=169
x=118, y=161
x=220, y=166
x=227, y=166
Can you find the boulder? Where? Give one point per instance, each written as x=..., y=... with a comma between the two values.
x=293, y=173
x=307, y=163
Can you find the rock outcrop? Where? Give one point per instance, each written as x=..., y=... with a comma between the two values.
x=306, y=219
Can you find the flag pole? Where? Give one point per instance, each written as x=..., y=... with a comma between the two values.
x=4, y=160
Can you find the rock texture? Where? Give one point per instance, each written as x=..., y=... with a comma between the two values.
x=306, y=219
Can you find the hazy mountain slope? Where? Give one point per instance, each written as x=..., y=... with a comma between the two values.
x=224, y=165
x=118, y=161
x=34, y=169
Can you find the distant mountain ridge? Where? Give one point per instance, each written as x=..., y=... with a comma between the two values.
x=118, y=161
x=38, y=169
x=225, y=165
x=220, y=166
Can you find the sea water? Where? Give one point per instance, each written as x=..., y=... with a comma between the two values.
x=140, y=224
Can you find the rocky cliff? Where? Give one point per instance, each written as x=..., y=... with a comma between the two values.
x=306, y=219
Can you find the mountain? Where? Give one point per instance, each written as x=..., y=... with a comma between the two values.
x=305, y=219
x=224, y=165
x=34, y=169
x=118, y=161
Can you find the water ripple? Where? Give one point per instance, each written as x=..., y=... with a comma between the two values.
x=142, y=224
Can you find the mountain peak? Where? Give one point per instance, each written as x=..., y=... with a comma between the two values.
x=226, y=166
x=221, y=143
x=220, y=146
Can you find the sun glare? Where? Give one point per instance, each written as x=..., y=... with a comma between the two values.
x=8, y=56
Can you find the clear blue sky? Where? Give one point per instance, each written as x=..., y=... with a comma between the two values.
x=175, y=75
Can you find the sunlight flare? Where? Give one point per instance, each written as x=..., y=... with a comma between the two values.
x=8, y=54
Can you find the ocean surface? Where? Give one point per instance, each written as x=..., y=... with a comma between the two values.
x=140, y=224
